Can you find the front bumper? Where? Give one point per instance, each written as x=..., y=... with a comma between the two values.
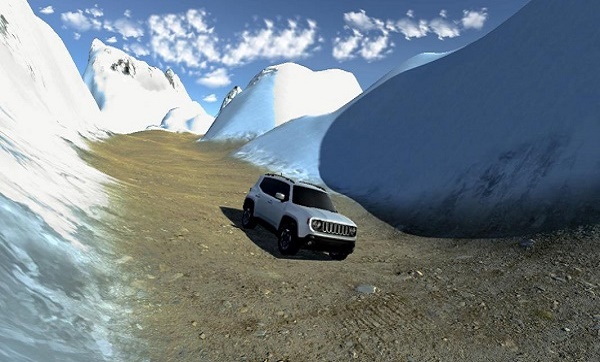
x=315, y=242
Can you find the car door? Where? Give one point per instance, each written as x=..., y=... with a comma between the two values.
x=262, y=198
x=276, y=207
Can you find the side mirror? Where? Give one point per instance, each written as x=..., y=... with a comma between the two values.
x=279, y=196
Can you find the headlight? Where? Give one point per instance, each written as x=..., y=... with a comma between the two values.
x=316, y=225
x=352, y=231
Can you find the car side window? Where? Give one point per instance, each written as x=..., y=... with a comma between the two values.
x=284, y=189
x=268, y=186
x=272, y=186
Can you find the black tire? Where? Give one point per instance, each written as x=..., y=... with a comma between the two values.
x=287, y=239
x=338, y=256
x=248, y=219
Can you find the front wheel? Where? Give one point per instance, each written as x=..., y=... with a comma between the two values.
x=288, y=239
x=248, y=220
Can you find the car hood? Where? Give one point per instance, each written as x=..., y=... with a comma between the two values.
x=328, y=215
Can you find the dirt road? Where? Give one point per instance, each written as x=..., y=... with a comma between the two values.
x=202, y=289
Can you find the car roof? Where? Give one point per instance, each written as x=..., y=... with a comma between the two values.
x=293, y=182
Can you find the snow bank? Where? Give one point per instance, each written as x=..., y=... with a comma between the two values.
x=188, y=118
x=281, y=93
x=43, y=108
x=53, y=277
x=131, y=94
x=498, y=138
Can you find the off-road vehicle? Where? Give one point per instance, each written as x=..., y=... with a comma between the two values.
x=301, y=214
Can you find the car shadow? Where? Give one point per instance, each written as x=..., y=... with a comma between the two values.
x=266, y=240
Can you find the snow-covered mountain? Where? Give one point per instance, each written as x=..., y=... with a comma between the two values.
x=281, y=93
x=300, y=158
x=53, y=305
x=133, y=95
x=497, y=138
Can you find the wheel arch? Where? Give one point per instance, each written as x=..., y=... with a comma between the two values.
x=285, y=219
x=248, y=202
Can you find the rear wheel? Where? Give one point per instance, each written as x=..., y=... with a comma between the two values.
x=288, y=239
x=248, y=220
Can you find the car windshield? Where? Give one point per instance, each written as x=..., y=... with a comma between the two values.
x=312, y=198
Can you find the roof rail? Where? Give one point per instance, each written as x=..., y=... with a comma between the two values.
x=280, y=175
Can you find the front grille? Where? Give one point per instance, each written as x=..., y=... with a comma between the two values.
x=336, y=229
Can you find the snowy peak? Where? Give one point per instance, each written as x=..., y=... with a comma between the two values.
x=229, y=97
x=278, y=94
x=303, y=92
x=132, y=94
x=104, y=58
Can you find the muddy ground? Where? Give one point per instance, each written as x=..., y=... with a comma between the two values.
x=202, y=289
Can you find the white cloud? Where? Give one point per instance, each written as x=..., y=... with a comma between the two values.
x=96, y=24
x=47, y=10
x=137, y=49
x=444, y=29
x=196, y=18
x=127, y=28
x=371, y=38
x=215, y=79
x=76, y=36
x=411, y=28
x=291, y=42
x=79, y=21
x=184, y=38
x=76, y=20
x=361, y=21
x=111, y=40
x=127, y=13
x=96, y=12
x=373, y=49
x=474, y=19
x=211, y=98
x=343, y=48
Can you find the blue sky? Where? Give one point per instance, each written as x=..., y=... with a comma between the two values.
x=215, y=45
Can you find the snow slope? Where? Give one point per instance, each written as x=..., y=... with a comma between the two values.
x=53, y=278
x=299, y=159
x=133, y=95
x=281, y=93
x=190, y=117
x=43, y=103
x=498, y=138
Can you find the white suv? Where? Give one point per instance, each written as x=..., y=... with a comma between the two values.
x=301, y=214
